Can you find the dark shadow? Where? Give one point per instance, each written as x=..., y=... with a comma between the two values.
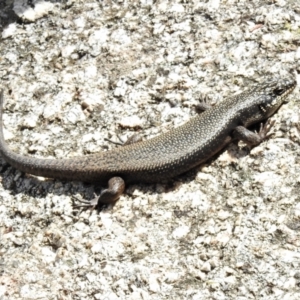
x=34, y=187
x=8, y=16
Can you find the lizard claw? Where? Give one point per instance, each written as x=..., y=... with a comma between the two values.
x=264, y=130
x=116, y=187
x=86, y=203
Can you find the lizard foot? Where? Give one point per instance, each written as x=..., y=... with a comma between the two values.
x=254, y=138
x=116, y=187
x=265, y=130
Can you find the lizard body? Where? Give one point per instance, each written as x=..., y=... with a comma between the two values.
x=170, y=153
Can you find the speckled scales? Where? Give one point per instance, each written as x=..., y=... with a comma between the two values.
x=169, y=154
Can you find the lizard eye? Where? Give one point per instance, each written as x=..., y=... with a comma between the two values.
x=279, y=91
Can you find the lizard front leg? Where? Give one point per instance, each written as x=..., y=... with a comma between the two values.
x=253, y=138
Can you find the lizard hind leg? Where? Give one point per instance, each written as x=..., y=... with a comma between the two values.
x=116, y=187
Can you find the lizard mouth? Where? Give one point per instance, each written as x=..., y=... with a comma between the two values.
x=284, y=89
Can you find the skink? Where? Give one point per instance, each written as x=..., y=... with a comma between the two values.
x=168, y=154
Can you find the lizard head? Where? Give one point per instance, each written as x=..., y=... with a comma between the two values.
x=265, y=98
x=273, y=93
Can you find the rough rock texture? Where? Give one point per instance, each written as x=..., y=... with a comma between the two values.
x=78, y=72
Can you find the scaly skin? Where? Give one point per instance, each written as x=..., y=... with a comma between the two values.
x=168, y=154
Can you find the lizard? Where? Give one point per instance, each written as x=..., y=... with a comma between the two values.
x=169, y=154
